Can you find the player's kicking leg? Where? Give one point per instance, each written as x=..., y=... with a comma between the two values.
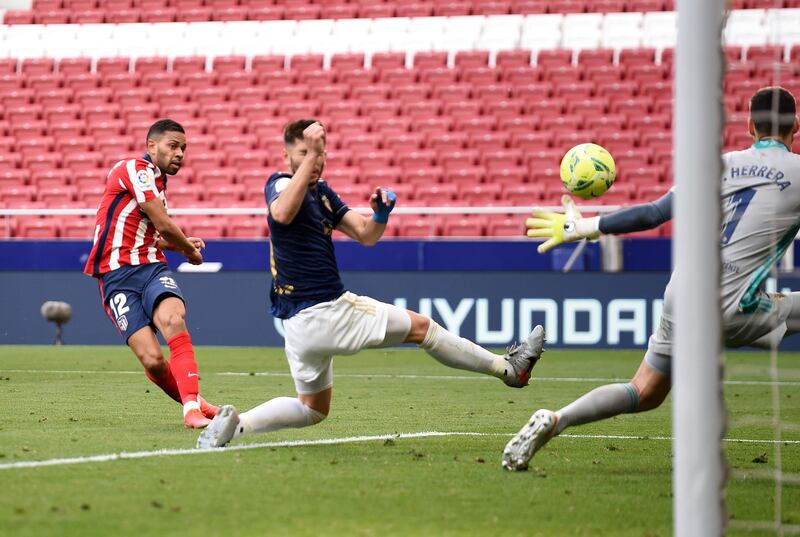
x=514, y=367
x=646, y=391
x=310, y=407
x=169, y=317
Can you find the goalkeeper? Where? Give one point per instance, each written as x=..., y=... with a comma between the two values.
x=760, y=196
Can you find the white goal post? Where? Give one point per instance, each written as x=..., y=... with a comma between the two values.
x=698, y=412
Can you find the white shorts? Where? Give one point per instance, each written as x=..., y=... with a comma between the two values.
x=340, y=327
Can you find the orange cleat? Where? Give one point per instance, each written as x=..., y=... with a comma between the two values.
x=208, y=410
x=194, y=419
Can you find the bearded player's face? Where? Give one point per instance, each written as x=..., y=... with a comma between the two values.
x=295, y=154
x=168, y=151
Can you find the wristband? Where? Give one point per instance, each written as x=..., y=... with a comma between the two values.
x=381, y=216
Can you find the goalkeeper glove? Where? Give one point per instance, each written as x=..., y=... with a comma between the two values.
x=558, y=228
x=381, y=210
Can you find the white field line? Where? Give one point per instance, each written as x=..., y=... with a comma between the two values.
x=387, y=376
x=325, y=441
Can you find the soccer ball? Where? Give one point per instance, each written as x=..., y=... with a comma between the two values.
x=588, y=171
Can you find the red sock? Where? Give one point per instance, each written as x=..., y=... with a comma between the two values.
x=166, y=383
x=183, y=366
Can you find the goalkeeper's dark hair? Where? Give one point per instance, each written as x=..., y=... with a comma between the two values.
x=164, y=125
x=294, y=130
x=773, y=111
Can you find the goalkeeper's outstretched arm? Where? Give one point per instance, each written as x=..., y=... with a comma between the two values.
x=570, y=226
x=637, y=217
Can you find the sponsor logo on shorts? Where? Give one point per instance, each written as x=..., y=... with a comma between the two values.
x=122, y=322
x=168, y=282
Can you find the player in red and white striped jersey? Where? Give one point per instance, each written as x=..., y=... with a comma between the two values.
x=137, y=288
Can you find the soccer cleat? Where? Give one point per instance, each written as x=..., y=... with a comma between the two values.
x=530, y=439
x=207, y=408
x=194, y=419
x=521, y=358
x=221, y=429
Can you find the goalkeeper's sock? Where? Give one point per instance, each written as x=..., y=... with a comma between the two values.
x=166, y=382
x=599, y=404
x=461, y=353
x=184, y=367
x=275, y=414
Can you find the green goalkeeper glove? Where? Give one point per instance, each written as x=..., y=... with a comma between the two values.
x=559, y=228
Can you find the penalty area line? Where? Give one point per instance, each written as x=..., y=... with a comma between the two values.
x=131, y=455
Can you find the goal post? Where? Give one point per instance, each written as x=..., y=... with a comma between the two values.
x=698, y=411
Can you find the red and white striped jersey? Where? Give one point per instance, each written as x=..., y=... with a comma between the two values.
x=123, y=234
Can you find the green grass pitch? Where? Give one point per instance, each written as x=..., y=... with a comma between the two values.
x=83, y=401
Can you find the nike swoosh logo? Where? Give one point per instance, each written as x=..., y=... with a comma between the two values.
x=191, y=374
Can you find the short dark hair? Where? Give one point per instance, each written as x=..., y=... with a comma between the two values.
x=164, y=125
x=294, y=130
x=773, y=111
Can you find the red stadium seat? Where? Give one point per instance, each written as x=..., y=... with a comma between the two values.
x=506, y=227
x=8, y=66
x=224, y=64
x=388, y=60
x=447, y=142
x=430, y=60
x=155, y=64
x=81, y=82
x=90, y=16
x=247, y=229
x=350, y=61
x=464, y=227
x=637, y=56
x=519, y=76
x=458, y=159
x=480, y=75
x=413, y=10
x=417, y=227
x=18, y=17
x=306, y=62
x=765, y=54
x=108, y=66
x=37, y=66
x=45, y=82
x=74, y=66
x=438, y=76
x=189, y=64
x=480, y=194
x=76, y=228
x=472, y=58
x=401, y=143
x=549, y=59
x=589, y=58
x=37, y=228
x=508, y=59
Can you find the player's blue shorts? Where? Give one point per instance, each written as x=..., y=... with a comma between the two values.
x=131, y=293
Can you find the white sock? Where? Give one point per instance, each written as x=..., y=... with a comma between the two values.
x=190, y=405
x=275, y=414
x=461, y=353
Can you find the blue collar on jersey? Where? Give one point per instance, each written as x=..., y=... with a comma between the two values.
x=164, y=175
x=768, y=143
